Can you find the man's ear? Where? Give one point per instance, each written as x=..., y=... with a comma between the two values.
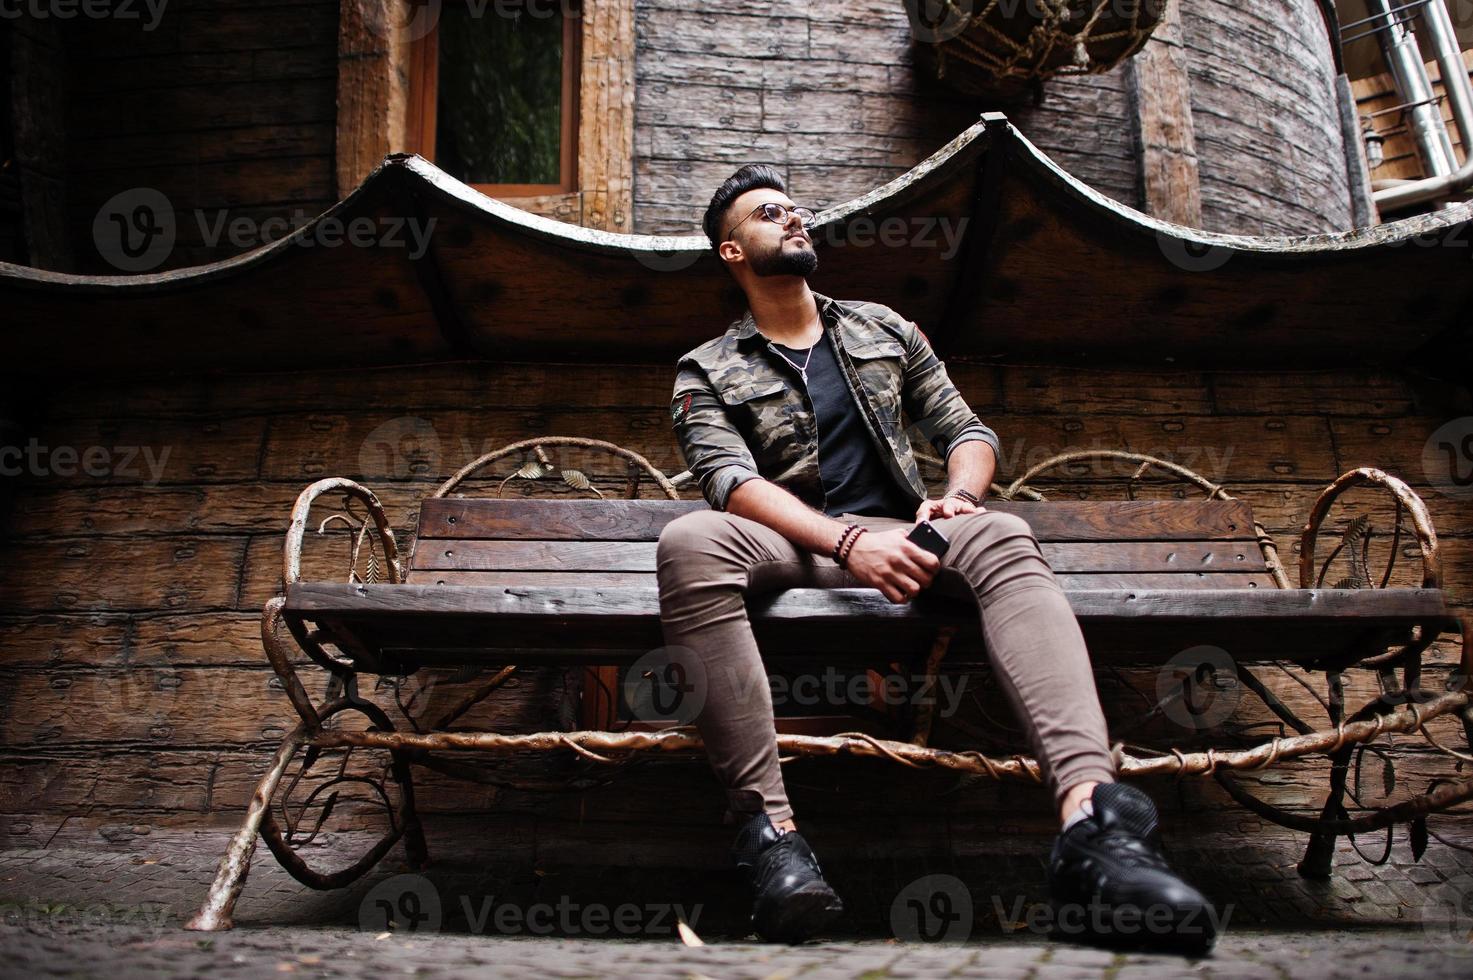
x=729, y=250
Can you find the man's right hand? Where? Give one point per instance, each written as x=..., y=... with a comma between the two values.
x=899, y=568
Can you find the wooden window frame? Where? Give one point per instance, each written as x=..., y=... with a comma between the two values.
x=375, y=105
x=424, y=77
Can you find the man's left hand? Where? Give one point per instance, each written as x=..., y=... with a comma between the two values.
x=945, y=507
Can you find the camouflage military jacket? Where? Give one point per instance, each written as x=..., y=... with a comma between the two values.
x=740, y=411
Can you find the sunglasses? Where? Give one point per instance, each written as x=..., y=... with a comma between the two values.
x=778, y=214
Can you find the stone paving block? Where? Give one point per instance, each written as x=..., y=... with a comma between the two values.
x=1408, y=892
x=1423, y=874
x=1380, y=894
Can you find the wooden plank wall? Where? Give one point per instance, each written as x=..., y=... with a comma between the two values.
x=828, y=93
x=134, y=694
x=1270, y=152
x=223, y=106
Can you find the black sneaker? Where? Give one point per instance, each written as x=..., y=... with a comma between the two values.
x=1111, y=885
x=792, y=901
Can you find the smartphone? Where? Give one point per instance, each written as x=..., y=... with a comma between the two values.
x=926, y=536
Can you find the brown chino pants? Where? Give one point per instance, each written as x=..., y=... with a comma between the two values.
x=709, y=560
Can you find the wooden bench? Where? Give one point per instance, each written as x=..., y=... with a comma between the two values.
x=507, y=582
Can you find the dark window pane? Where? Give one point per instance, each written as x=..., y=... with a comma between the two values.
x=499, y=113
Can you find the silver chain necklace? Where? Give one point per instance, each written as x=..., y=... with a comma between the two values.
x=803, y=368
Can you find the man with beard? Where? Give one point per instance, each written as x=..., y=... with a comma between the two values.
x=791, y=422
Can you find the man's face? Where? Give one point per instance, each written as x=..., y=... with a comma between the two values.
x=771, y=249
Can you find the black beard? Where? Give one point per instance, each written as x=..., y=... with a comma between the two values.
x=801, y=262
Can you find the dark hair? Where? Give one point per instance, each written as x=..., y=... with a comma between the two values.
x=749, y=178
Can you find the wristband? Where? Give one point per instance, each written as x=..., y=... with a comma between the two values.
x=966, y=495
x=849, y=546
x=843, y=539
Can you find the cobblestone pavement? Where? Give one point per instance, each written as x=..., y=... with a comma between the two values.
x=71, y=911
x=119, y=952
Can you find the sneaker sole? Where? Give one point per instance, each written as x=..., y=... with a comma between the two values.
x=803, y=913
x=1168, y=937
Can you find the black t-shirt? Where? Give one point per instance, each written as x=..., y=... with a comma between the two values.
x=854, y=477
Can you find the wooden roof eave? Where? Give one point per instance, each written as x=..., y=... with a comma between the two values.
x=1047, y=268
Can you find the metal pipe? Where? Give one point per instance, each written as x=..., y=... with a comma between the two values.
x=1460, y=99
x=1399, y=45
x=1444, y=38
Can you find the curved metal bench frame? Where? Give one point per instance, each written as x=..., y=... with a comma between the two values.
x=1403, y=707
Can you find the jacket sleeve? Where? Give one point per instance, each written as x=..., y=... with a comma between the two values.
x=714, y=450
x=934, y=405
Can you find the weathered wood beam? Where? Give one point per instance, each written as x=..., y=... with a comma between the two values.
x=606, y=115
x=968, y=287
x=1161, y=94
x=448, y=316
x=373, y=93
x=37, y=111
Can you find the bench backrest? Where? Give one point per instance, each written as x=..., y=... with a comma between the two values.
x=1136, y=544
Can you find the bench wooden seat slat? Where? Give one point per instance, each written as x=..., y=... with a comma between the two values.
x=426, y=624
x=575, y=580
x=639, y=556
x=1069, y=580
x=1413, y=605
x=641, y=520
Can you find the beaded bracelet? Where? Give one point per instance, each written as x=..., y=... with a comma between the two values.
x=843, y=538
x=844, y=556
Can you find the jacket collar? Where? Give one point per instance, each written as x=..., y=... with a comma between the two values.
x=746, y=335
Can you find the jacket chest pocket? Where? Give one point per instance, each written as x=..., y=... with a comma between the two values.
x=881, y=369
x=763, y=413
